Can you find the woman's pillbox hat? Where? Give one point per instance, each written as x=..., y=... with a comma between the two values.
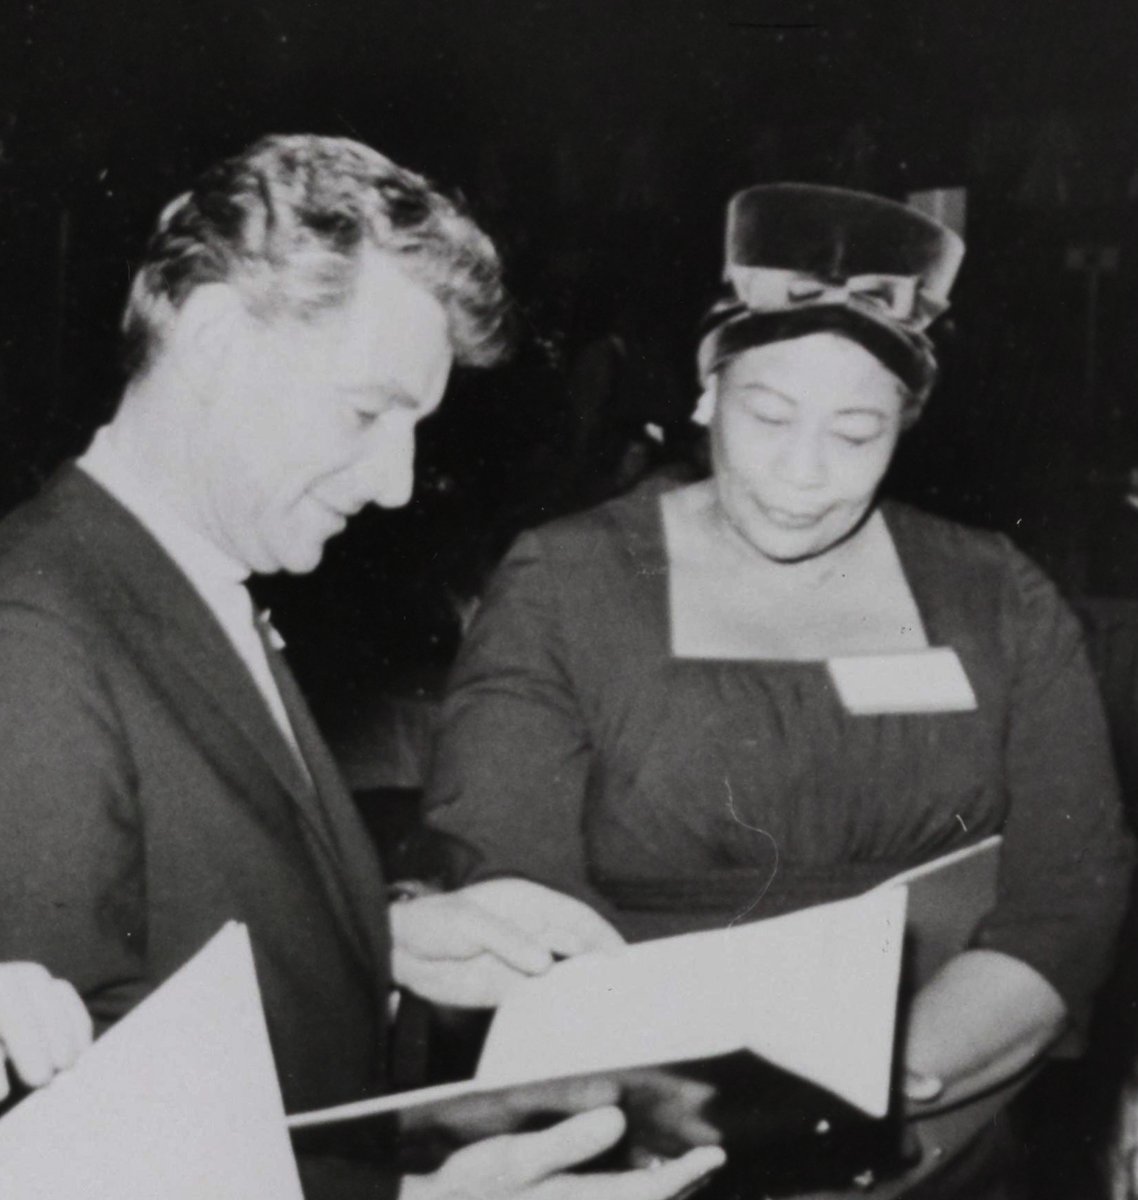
x=801, y=258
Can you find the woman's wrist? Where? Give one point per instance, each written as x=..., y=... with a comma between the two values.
x=985, y=1018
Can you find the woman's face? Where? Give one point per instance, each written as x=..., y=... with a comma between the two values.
x=802, y=434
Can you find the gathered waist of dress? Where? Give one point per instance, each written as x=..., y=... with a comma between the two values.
x=678, y=903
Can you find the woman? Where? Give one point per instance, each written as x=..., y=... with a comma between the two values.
x=646, y=713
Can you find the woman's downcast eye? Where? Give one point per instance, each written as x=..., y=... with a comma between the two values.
x=769, y=412
x=859, y=429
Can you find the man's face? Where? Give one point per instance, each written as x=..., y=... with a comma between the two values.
x=308, y=423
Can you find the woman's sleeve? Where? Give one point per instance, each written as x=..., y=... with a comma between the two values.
x=1067, y=855
x=512, y=755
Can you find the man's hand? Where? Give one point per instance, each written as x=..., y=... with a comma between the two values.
x=665, y=1110
x=43, y=1024
x=665, y=1113
x=533, y=1166
x=489, y=1114
x=467, y=948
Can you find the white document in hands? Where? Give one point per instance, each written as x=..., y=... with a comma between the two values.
x=179, y=1100
x=814, y=993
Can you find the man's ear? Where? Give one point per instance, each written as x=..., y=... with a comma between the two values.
x=707, y=403
x=207, y=328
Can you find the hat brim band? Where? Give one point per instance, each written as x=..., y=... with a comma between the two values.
x=907, y=353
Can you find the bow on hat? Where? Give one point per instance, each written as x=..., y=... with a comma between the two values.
x=898, y=298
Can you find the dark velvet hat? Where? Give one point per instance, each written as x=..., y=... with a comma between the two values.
x=802, y=258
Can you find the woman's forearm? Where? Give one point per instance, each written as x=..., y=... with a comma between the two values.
x=980, y=1020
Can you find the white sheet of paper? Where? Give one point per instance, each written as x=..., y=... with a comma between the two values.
x=814, y=992
x=179, y=1100
x=916, y=681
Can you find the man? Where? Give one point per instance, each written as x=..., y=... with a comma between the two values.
x=296, y=315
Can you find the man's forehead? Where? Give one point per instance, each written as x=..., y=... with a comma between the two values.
x=383, y=278
x=384, y=307
x=392, y=333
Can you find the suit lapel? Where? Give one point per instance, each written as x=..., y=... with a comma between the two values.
x=347, y=838
x=172, y=635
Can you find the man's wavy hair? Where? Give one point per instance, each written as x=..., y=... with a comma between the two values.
x=286, y=222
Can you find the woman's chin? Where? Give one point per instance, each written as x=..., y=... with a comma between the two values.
x=791, y=546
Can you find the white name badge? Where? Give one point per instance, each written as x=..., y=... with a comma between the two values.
x=916, y=681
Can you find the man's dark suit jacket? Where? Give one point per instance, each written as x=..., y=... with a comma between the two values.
x=147, y=796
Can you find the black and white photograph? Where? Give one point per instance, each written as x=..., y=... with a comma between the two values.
x=568, y=600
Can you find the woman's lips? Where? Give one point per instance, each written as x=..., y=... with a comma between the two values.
x=785, y=519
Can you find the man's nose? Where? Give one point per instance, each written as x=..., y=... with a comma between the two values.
x=804, y=459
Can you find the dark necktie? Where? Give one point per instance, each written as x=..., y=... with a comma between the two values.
x=323, y=791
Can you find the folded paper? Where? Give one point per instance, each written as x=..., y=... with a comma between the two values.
x=179, y=1100
x=814, y=993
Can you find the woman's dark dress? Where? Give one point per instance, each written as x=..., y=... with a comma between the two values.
x=675, y=794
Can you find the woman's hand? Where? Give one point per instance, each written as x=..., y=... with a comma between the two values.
x=467, y=948
x=535, y=1166
x=44, y=1026
x=982, y=1019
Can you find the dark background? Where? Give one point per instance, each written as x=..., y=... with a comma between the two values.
x=599, y=140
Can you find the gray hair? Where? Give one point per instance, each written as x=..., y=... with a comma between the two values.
x=285, y=222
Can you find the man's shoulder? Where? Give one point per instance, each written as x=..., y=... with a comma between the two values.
x=48, y=563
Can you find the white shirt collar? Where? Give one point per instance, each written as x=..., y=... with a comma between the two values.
x=215, y=574
x=217, y=577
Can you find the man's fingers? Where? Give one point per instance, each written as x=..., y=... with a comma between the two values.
x=567, y=1095
x=486, y=933
x=673, y=1105
x=454, y=927
x=671, y=1179
x=497, y=1113
x=574, y=928
x=479, y=982
x=563, y=923
x=536, y=1156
